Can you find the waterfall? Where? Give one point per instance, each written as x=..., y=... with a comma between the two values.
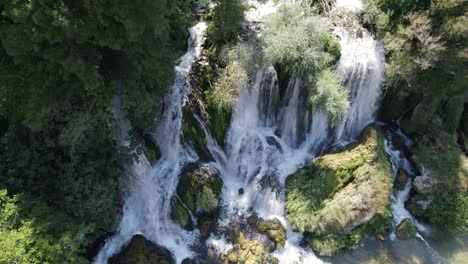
x=148, y=199
x=361, y=68
x=271, y=137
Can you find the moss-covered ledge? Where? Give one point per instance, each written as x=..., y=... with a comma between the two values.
x=337, y=198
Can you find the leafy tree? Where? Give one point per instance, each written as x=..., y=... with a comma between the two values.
x=35, y=233
x=302, y=45
x=228, y=16
x=61, y=64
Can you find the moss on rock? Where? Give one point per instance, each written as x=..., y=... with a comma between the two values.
x=246, y=251
x=141, y=251
x=406, y=229
x=199, y=191
x=336, y=193
x=274, y=230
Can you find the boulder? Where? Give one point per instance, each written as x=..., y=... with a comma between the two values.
x=246, y=251
x=401, y=178
x=274, y=230
x=142, y=251
x=335, y=193
x=198, y=194
x=406, y=229
x=252, y=220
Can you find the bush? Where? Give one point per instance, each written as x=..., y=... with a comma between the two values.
x=228, y=16
x=32, y=232
x=330, y=96
x=449, y=211
x=303, y=47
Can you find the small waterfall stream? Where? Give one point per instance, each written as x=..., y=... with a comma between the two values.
x=399, y=197
x=148, y=202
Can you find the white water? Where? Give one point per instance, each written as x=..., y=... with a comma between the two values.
x=351, y=5
x=150, y=188
x=271, y=137
x=399, y=197
x=361, y=68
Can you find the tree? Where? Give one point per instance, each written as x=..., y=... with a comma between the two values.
x=228, y=16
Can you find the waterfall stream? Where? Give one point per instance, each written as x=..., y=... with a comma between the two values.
x=148, y=200
x=270, y=137
x=264, y=146
x=399, y=197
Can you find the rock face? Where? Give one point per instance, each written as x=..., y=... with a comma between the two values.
x=406, y=229
x=198, y=194
x=142, y=251
x=335, y=193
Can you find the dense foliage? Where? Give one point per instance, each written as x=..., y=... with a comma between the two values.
x=427, y=67
x=61, y=64
x=301, y=43
x=426, y=79
x=32, y=232
x=226, y=22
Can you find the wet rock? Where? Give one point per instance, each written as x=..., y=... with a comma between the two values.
x=274, y=230
x=401, y=178
x=188, y=261
x=339, y=192
x=424, y=183
x=418, y=204
x=270, y=182
x=246, y=251
x=406, y=230
x=198, y=193
x=252, y=220
x=142, y=251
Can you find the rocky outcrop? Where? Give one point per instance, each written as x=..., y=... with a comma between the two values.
x=197, y=198
x=246, y=251
x=406, y=229
x=274, y=230
x=335, y=193
x=142, y=251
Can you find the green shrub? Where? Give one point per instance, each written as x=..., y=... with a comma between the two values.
x=32, y=232
x=303, y=47
x=227, y=19
x=449, y=212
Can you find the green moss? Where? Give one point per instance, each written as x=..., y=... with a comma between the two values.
x=439, y=155
x=274, y=230
x=336, y=191
x=449, y=212
x=181, y=215
x=199, y=189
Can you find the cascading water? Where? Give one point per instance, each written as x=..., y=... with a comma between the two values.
x=361, y=68
x=265, y=145
x=269, y=138
x=399, y=212
x=148, y=202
